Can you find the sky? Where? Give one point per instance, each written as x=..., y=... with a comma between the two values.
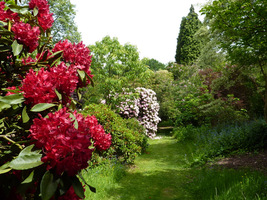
x=150, y=25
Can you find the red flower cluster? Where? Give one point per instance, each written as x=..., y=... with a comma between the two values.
x=40, y=87
x=26, y=34
x=78, y=55
x=7, y=14
x=70, y=195
x=67, y=148
x=45, y=18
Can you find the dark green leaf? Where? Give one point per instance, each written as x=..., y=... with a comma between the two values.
x=77, y=186
x=12, y=99
x=16, y=48
x=42, y=106
x=90, y=187
x=25, y=116
x=48, y=186
x=26, y=159
x=29, y=178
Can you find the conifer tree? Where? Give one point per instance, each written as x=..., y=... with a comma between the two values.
x=188, y=47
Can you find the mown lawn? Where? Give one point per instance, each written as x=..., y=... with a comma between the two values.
x=163, y=173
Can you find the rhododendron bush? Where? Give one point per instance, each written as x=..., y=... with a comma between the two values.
x=142, y=105
x=44, y=142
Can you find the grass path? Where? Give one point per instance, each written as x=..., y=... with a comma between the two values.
x=159, y=174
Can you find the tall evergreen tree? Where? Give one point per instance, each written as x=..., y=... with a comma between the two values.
x=188, y=47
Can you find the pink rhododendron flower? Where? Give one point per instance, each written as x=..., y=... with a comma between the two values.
x=26, y=35
x=66, y=148
x=45, y=18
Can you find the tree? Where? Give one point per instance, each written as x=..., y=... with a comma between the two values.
x=211, y=55
x=153, y=64
x=115, y=66
x=64, y=26
x=241, y=29
x=188, y=48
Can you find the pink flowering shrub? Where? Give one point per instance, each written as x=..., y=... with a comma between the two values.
x=144, y=108
x=44, y=142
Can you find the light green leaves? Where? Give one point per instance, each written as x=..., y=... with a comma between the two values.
x=16, y=48
x=42, y=106
x=26, y=159
x=25, y=116
x=12, y=99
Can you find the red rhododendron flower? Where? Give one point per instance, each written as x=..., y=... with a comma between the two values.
x=70, y=195
x=78, y=55
x=26, y=34
x=66, y=79
x=45, y=18
x=40, y=87
x=7, y=14
x=66, y=148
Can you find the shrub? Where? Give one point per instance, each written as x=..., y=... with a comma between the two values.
x=224, y=140
x=128, y=137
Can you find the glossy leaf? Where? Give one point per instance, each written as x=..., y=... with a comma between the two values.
x=48, y=186
x=16, y=48
x=75, y=121
x=12, y=99
x=42, y=106
x=5, y=168
x=25, y=116
x=29, y=178
x=77, y=186
x=26, y=159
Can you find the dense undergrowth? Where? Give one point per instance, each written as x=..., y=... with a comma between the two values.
x=224, y=140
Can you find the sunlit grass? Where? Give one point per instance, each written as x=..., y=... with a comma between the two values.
x=163, y=172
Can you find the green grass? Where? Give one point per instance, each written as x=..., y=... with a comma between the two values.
x=163, y=173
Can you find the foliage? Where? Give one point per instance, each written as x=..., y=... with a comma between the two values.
x=224, y=139
x=240, y=26
x=128, y=137
x=211, y=55
x=228, y=184
x=43, y=143
x=163, y=85
x=153, y=64
x=115, y=66
x=188, y=48
x=64, y=26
